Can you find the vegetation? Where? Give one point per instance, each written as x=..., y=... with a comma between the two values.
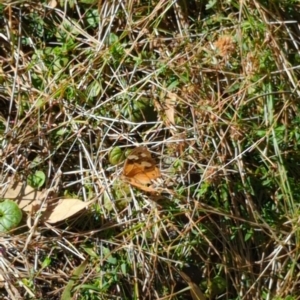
x=211, y=88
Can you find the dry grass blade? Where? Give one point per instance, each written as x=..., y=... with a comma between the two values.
x=195, y=290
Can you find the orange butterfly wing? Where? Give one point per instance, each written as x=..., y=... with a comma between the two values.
x=140, y=169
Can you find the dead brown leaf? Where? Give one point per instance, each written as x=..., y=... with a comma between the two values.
x=170, y=108
x=62, y=209
x=167, y=105
x=24, y=195
x=52, y=3
x=30, y=200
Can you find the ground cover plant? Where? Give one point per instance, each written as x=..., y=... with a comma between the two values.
x=210, y=89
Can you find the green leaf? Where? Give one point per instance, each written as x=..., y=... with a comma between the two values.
x=10, y=215
x=93, y=18
x=67, y=295
x=112, y=38
x=248, y=235
x=61, y=131
x=37, y=179
x=217, y=286
x=110, y=259
x=116, y=156
x=124, y=268
x=46, y=262
x=107, y=202
x=90, y=251
x=95, y=89
x=210, y=4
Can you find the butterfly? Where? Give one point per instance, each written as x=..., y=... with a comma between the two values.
x=140, y=169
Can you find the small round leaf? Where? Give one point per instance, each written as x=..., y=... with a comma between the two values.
x=116, y=156
x=10, y=215
x=37, y=179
